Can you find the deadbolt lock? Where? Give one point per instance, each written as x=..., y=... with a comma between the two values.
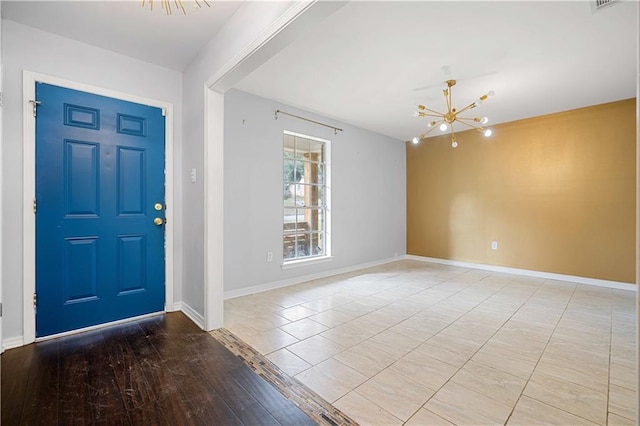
x=158, y=221
x=158, y=206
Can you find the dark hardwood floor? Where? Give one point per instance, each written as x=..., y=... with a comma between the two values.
x=158, y=371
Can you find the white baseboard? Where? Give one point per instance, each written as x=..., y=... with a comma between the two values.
x=298, y=280
x=190, y=312
x=526, y=272
x=16, y=342
x=12, y=342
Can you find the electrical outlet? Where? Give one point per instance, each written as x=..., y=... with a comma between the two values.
x=269, y=256
x=494, y=245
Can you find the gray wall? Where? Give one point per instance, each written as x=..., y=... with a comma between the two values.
x=1, y=149
x=367, y=190
x=25, y=48
x=247, y=24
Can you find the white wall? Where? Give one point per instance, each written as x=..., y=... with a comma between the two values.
x=245, y=26
x=367, y=192
x=25, y=48
x=1, y=144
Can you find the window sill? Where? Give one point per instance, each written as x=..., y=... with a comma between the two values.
x=306, y=262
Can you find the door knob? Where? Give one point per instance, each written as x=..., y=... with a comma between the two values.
x=158, y=221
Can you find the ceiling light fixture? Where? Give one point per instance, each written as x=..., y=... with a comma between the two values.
x=166, y=5
x=444, y=121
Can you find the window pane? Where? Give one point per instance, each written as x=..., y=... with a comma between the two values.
x=302, y=146
x=301, y=223
x=289, y=216
x=289, y=142
x=320, y=196
x=317, y=148
x=288, y=170
x=298, y=171
x=300, y=194
x=289, y=251
x=316, y=220
x=317, y=245
x=288, y=195
x=320, y=174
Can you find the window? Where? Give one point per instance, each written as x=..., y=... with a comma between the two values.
x=306, y=197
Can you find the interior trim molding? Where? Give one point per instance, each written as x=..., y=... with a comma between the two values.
x=191, y=313
x=12, y=342
x=29, y=80
x=98, y=326
x=298, y=280
x=281, y=31
x=527, y=272
x=214, y=166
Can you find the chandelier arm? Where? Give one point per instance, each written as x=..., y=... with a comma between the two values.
x=431, y=115
x=448, y=99
x=453, y=133
x=478, y=128
x=468, y=107
x=180, y=5
x=430, y=110
x=435, y=126
x=461, y=119
x=166, y=5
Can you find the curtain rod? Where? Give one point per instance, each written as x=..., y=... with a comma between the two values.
x=335, y=129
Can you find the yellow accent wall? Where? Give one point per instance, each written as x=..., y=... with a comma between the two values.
x=557, y=192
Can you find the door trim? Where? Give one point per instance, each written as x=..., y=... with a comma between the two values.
x=29, y=80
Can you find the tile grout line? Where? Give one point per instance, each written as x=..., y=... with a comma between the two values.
x=478, y=350
x=430, y=337
x=441, y=281
x=465, y=363
x=562, y=379
x=541, y=354
x=439, y=331
x=610, y=345
x=381, y=307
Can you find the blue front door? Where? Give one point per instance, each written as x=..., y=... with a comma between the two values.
x=99, y=188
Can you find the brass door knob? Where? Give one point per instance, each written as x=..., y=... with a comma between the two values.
x=158, y=221
x=158, y=206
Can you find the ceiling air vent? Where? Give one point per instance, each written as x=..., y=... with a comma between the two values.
x=597, y=5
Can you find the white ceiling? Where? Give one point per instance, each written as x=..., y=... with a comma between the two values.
x=365, y=62
x=368, y=63
x=124, y=26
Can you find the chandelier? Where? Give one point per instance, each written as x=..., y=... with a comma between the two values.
x=166, y=5
x=444, y=121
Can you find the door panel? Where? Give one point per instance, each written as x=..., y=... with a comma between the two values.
x=99, y=173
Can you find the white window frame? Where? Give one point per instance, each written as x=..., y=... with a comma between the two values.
x=296, y=262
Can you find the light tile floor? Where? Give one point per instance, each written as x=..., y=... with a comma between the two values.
x=418, y=343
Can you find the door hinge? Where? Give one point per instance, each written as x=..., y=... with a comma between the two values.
x=35, y=301
x=1, y=99
x=35, y=206
x=35, y=104
x=164, y=112
x=0, y=309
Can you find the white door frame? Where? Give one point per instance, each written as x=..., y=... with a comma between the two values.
x=29, y=80
x=1, y=197
x=240, y=65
